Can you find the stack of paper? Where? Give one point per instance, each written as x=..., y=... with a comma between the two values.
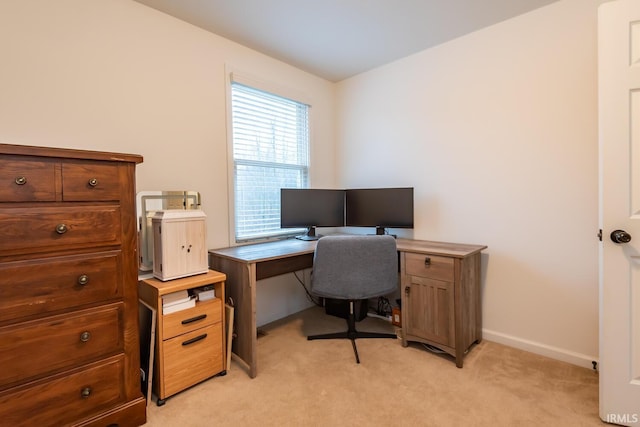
x=205, y=293
x=177, y=301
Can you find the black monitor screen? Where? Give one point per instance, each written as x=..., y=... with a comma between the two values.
x=380, y=207
x=310, y=207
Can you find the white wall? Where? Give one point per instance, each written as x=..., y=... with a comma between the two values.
x=497, y=132
x=114, y=75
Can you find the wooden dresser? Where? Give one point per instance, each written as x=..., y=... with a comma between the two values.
x=69, y=346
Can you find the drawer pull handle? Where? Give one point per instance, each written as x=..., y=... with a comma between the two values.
x=93, y=182
x=61, y=228
x=196, y=339
x=427, y=261
x=194, y=319
x=21, y=180
x=86, y=392
x=85, y=336
x=83, y=279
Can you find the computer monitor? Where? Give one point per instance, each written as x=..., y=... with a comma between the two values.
x=379, y=207
x=310, y=208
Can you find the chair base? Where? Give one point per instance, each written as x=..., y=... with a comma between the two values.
x=351, y=333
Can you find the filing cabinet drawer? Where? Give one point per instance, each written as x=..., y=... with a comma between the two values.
x=79, y=395
x=192, y=357
x=24, y=180
x=40, y=286
x=431, y=266
x=32, y=349
x=180, y=322
x=90, y=181
x=38, y=229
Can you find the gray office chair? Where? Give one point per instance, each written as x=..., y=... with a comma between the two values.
x=354, y=268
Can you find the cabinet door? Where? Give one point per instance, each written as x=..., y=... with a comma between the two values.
x=430, y=310
x=169, y=249
x=196, y=252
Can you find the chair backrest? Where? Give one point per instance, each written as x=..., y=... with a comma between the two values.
x=355, y=267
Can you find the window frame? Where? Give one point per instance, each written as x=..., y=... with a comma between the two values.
x=233, y=76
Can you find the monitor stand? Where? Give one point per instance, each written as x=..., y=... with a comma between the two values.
x=309, y=235
x=381, y=231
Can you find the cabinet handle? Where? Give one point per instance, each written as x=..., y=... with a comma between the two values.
x=194, y=319
x=83, y=279
x=86, y=392
x=93, y=182
x=196, y=339
x=85, y=336
x=61, y=228
x=21, y=180
x=427, y=261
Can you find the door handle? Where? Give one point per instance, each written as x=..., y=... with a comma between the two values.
x=620, y=236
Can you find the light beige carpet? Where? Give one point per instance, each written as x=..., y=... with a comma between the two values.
x=318, y=383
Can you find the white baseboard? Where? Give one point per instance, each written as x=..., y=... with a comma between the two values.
x=556, y=353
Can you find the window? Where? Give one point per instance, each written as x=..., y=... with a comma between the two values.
x=270, y=138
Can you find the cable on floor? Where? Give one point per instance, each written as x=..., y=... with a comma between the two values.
x=433, y=349
x=304, y=286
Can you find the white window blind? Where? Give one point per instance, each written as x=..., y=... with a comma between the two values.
x=270, y=152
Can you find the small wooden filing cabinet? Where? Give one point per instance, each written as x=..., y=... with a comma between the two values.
x=69, y=352
x=440, y=286
x=190, y=344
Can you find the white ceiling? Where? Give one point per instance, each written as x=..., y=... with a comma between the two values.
x=336, y=39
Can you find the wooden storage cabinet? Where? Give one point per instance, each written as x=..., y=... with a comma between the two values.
x=179, y=248
x=190, y=344
x=68, y=299
x=440, y=287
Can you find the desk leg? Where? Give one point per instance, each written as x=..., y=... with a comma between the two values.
x=241, y=288
x=253, y=330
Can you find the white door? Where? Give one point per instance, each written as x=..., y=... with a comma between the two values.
x=619, y=124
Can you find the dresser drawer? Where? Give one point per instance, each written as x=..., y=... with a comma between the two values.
x=38, y=229
x=90, y=182
x=204, y=313
x=25, y=180
x=191, y=358
x=44, y=285
x=433, y=267
x=65, y=400
x=32, y=349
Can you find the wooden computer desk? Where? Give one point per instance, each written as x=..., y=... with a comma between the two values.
x=446, y=275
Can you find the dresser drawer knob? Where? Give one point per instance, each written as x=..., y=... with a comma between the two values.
x=427, y=261
x=85, y=336
x=86, y=392
x=93, y=182
x=83, y=279
x=21, y=180
x=61, y=228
